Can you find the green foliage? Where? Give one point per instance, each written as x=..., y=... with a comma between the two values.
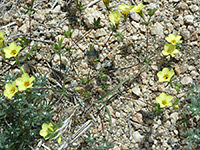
x=68, y=33
x=193, y=110
x=119, y=36
x=97, y=23
x=21, y=118
x=152, y=12
x=94, y=144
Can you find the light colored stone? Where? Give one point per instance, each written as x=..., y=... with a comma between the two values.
x=157, y=29
x=189, y=19
x=115, y=148
x=137, y=137
x=136, y=91
x=135, y=17
x=194, y=8
x=57, y=9
x=182, y=5
x=138, y=118
x=76, y=34
x=180, y=20
x=186, y=34
x=180, y=69
x=186, y=80
x=174, y=117
x=39, y=16
x=117, y=114
x=100, y=32
x=194, y=73
x=90, y=14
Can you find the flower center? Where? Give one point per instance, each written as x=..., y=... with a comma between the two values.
x=12, y=90
x=26, y=84
x=1, y=39
x=13, y=52
x=166, y=76
x=173, y=41
x=169, y=51
x=164, y=102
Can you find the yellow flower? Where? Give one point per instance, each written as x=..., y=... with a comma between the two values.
x=125, y=9
x=164, y=100
x=115, y=17
x=2, y=38
x=59, y=139
x=170, y=49
x=11, y=50
x=173, y=39
x=45, y=130
x=10, y=90
x=165, y=75
x=138, y=8
x=24, y=82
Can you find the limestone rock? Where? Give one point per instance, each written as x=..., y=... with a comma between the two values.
x=157, y=29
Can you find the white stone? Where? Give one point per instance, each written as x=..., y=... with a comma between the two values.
x=180, y=20
x=194, y=8
x=90, y=14
x=117, y=114
x=174, y=117
x=186, y=80
x=189, y=19
x=135, y=17
x=137, y=137
x=136, y=91
x=100, y=32
x=157, y=29
x=39, y=16
x=57, y=9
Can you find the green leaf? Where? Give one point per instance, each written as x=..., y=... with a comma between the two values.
x=151, y=12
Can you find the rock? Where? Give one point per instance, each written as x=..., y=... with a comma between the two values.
x=138, y=118
x=180, y=20
x=78, y=55
x=76, y=34
x=181, y=69
x=185, y=34
x=182, y=5
x=90, y=14
x=194, y=8
x=157, y=29
x=194, y=73
x=57, y=9
x=190, y=68
x=39, y=16
x=174, y=117
x=194, y=37
x=110, y=110
x=100, y=32
x=115, y=148
x=186, y=80
x=117, y=114
x=6, y=19
x=136, y=91
x=135, y=17
x=24, y=28
x=189, y=19
x=137, y=137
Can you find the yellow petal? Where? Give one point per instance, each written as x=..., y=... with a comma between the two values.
x=59, y=139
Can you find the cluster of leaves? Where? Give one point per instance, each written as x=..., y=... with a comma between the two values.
x=93, y=143
x=193, y=110
x=21, y=117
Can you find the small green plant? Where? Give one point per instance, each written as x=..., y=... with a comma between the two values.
x=94, y=144
x=193, y=110
x=23, y=112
